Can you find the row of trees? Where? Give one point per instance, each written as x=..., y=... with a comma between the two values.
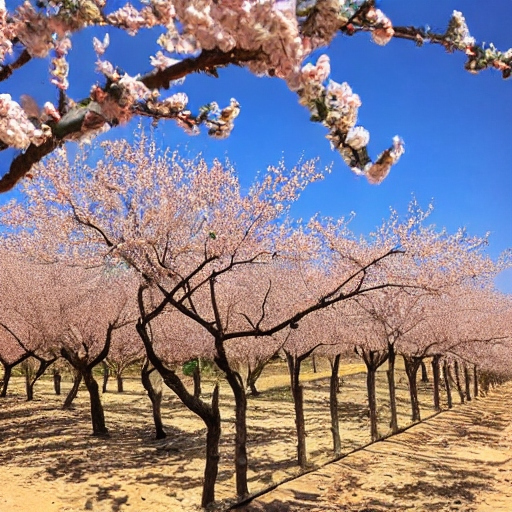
x=152, y=249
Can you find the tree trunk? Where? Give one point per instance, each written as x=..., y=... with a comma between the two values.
x=392, y=388
x=475, y=381
x=436, y=377
x=119, y=380
x=237, y=386
x=294, y=364
x=32, y=377
x=152, y=382
x=372, y=402
x=424, y=374
x=212, y=452
x=253, y=375
x=208, y=413
x=57, y=379
x=333, y=405
x=29, y=387
x=467, y=382
x=73, y=391
x=446, y=377
x=106, y=375
x=457, y=381
x=97, y=415
x=412, y=365
x=373, y=359
x=196, y=375
x=6, y=379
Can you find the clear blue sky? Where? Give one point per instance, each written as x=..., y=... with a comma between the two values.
x=457, y=127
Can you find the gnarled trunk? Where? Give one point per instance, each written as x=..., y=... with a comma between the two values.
x=32, y=377
x=412, y=365
x=446, y=377
x=436, y=376
x=77, y=379
x=333, y=405
x=57, y=379
x=475, y=381
x=467, y=382
x=424, y=373
x=390, y=373
x=237, y=386
x=457, y=381
x=373, y=359
x=106, y=375
x=119, y=380
x=6, y=379
x=152, y=382
x=253, y=374
x=210, y=414
x=196, y=375
x=211, y=469
x=97, y=415
x=294, y=363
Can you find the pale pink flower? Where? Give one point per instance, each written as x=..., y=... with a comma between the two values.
x=357, y=137
x=100, y=46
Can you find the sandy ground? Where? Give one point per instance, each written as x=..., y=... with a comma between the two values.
x=459, y=460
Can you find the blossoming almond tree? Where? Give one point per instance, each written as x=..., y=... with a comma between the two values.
x=269, y=37
x=126, y=349
x=70, y=312
x=12, y=353
x=24, y=336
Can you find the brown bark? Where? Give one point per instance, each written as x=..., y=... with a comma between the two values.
x=424, y=373
x=457, y=381
x=57, y=379
x=6, y=379
x=211, y=468
x=85, y=368
x=106, y=375
x=97, y=415
x=32, y=377
x=373, y=359
x=372, y=403
x=294, y=364
x=467, y=382
x=333, y=405
x=197, y=380
x=412, y=365
x=77, y=379
x=446, y=377
x=436, y=377
x=392, y=388
x=152, y=382
x=208, y=413
x=237, y=386
x=475, y=381
x=120, y=384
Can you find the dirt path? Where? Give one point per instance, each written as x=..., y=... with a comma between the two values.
x=459, y=460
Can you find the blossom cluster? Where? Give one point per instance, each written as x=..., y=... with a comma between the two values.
x=383, y=29
x=336, y=107
x=458, y=32
x=16, y=129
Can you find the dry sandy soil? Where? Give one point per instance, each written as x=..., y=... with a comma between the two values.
x=458, y=460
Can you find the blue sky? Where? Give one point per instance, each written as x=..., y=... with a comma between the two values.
x=457, y=127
